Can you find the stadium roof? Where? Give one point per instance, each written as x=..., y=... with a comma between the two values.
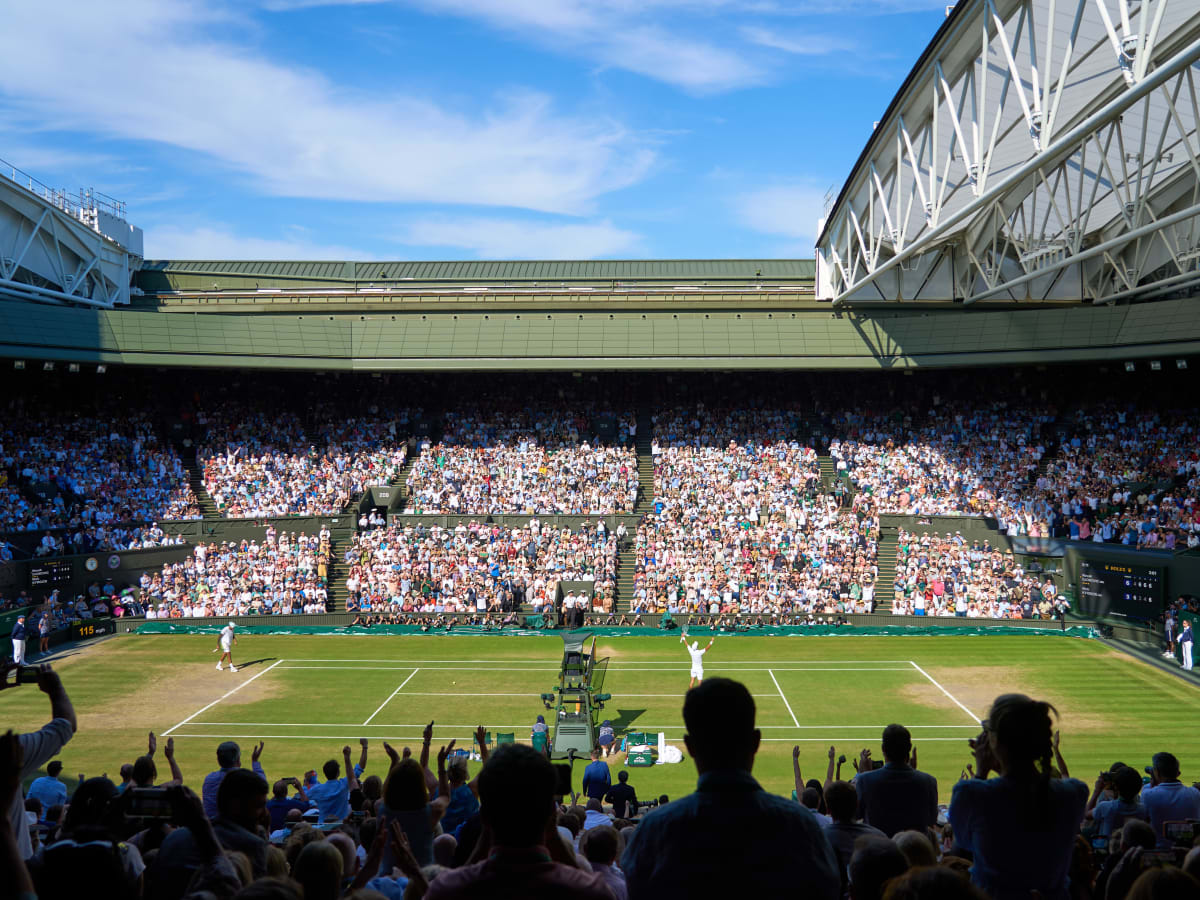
x=1039, y=149
x=740, y=270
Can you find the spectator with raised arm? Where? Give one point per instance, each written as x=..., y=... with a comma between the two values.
x=684, y=848
x=229, y=757
x=332, y=797
x=455, y=782
x=1021, y=826
x=521, y=851
x=406, y=802
x=39, y=746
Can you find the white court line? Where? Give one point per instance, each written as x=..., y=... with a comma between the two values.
x=682, y=667
x=783, y=698
x=223, y=696
x=656, y=662
x=389, y=699
x=933, y=681
x=416, y=737
x=537, y=695
x=526, y=725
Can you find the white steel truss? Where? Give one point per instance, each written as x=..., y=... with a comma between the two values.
x=1042, y=149
x=49, y=254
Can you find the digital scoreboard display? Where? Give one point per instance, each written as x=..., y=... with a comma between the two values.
x=46, y=576
x=1122, y=588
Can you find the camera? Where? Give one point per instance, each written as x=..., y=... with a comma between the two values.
x=22, y=675
x=149, y=803
x=842, y=759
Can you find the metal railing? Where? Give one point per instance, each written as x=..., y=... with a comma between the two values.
x=83, y=204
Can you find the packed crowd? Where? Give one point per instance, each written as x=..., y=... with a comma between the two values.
x=538, y=459
x=284, y=573
x=259, y=461
x=742, y=525
x=511, y=829
x=813, y=557
x=477, y=567
x=89, y=473
x=943, y=575
x=966, y=458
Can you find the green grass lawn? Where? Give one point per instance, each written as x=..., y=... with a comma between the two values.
x=308, y=696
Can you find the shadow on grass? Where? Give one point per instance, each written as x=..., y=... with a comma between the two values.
x=255, y=662
x=625, y=718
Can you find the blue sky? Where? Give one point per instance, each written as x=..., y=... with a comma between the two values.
x=456, y=129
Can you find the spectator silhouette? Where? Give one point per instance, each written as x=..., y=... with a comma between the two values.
x=875, y=862
x=1021, y=826
x=623, y=797
x=527, y=858
x=1168, y=799
x=685, y=849
x=932, y=883
x=896, y=797
x=842, y=802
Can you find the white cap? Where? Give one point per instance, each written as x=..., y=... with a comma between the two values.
x=233, y=624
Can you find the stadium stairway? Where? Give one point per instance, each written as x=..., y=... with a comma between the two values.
x=645, y=463
x=828, y=471
x=885, y=584
x=187, y=454
x=401, y=479
x=340, y=540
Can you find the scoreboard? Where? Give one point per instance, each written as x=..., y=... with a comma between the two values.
x=1122, y=588
x=54, y=573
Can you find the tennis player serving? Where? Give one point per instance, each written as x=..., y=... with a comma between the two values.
x=226, y=641
x=697, y=655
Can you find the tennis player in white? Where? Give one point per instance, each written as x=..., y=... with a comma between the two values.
x=697, y=655
x=227, y=640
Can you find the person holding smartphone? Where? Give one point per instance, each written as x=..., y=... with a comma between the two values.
x=40, y=746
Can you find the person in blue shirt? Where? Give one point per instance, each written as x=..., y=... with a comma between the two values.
x=596, y=777
x=333, y=797
x=453, y=783
x=1168, y=799
x=281, y=804
x=1021, y=827
x=48, y=789
x=229, y=757
x=1111, y=815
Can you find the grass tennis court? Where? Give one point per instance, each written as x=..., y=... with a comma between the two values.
x=308, y=696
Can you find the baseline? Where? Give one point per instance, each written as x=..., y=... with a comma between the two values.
x=223, y=696
x=771, y=672
x=934, y=682
x=390, y=696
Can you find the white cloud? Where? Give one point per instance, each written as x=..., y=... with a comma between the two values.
x=222, y=242
x=291, y=129
x=490, y=238
x=787, y=209
x=796, y=44
x=639, y=37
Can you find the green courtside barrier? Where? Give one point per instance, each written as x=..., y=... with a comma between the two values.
x=178, y=627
